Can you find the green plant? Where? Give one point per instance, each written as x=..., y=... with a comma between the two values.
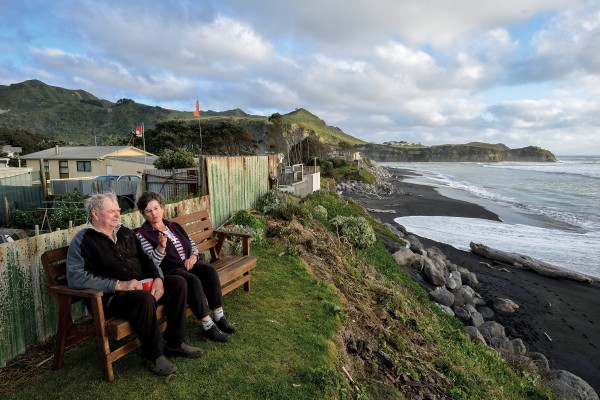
x=246, y=218
x=357, y=230
x=22, y=219
x=272, y=201
x=68, y=208
x=320, y=212
x=178, y=158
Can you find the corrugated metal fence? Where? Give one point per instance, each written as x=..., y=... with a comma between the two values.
x=236, y=183
x=27, y=311
x=18, y=191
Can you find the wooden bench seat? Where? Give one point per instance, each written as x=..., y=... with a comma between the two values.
x=234, y=271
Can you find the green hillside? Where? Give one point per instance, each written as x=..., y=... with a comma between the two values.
x=77, y=116
x=329, y=134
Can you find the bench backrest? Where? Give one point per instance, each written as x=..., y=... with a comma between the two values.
x=55, y=265
x=198, y=227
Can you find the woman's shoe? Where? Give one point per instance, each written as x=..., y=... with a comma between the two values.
x=225, y=326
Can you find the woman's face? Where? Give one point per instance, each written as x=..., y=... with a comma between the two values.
x=153, y=212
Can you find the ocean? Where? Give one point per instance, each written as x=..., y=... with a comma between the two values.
x=549, y=211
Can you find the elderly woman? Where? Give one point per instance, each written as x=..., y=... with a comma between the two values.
x=175, y=253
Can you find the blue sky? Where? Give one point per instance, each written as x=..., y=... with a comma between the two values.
x=518, y=72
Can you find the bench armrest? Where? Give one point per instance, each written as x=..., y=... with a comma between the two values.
x=226, y=234
x=231, y=233
x=65, y=290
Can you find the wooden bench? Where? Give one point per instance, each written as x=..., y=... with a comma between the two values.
x=234, y=271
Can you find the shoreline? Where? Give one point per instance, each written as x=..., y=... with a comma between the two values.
x=559, y=318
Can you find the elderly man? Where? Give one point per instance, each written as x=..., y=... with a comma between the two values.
x=107, y=256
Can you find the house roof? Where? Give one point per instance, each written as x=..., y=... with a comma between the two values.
x=86, y=153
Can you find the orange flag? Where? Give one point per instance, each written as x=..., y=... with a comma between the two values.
x=197, y=112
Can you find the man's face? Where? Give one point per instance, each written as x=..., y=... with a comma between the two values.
x=110, y=215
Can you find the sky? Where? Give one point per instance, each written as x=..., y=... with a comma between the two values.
x=518, y=72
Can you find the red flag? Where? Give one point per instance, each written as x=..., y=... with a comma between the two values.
x=197, y=112
x=139, y=131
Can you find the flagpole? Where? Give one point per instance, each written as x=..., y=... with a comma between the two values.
x=144, y=141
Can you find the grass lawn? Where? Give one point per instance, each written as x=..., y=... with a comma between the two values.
x=283, y=349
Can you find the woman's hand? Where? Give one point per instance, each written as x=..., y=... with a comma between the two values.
x=189, y=263
x=157, y=289
x=162, y=242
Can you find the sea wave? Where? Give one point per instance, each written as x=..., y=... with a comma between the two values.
x=570, y=250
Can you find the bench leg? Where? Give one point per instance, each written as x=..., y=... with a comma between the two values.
x=64, y=325
x=102, y=339
x=247, y=284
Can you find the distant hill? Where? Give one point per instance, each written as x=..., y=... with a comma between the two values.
x=478, y=152
x=80, y=117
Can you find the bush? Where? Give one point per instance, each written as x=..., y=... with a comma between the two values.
x=356, y=230
x=245, y=218
x=22, y=219
x=68, y=208
x=320, y=213
x=271, y=202
x=178, y=158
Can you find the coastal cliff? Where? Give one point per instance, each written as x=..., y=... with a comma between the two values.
x=454, y=153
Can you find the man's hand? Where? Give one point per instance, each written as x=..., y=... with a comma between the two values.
x=133, y=284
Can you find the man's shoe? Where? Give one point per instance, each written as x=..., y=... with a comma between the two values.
x=215, y=334
x=161, y=366
x=225, y=326
x=184, y=351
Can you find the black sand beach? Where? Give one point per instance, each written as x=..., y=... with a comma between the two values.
x=559, y=318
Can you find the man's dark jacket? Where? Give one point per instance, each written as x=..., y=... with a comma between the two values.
x=95, y=261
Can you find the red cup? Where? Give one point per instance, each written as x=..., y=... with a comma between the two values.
x=147, y=284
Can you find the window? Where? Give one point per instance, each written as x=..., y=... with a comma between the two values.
x=47, y=169
x=63, y=169
x=84, y=166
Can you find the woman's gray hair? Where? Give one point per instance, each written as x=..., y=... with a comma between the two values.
x=96, y=202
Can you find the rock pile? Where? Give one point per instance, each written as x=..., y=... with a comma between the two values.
x=382, y=186
x=453, y=288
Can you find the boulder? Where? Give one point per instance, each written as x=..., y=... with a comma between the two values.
x=470, y=308
x=404, y=257
x=476, y=319
x=506, y=306
x=491, y=329
x=523, y=363
x=434, y=274
x=468, y=278
x=568, y=386
x=415, y=244
x=474, y=335
x=486, y=312
x=462, y=314
x=451, y=267
x=500, y=343
x=442, y=296
x=465, y=295
x=446, y=309
x=455, y=278
x=518, y=347
x=540, y=361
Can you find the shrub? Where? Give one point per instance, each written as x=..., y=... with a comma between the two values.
x=245, y=218
x=22, y=219
x=68, y=208
x=320, y=213
x=271, y=202
x=356, y=230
